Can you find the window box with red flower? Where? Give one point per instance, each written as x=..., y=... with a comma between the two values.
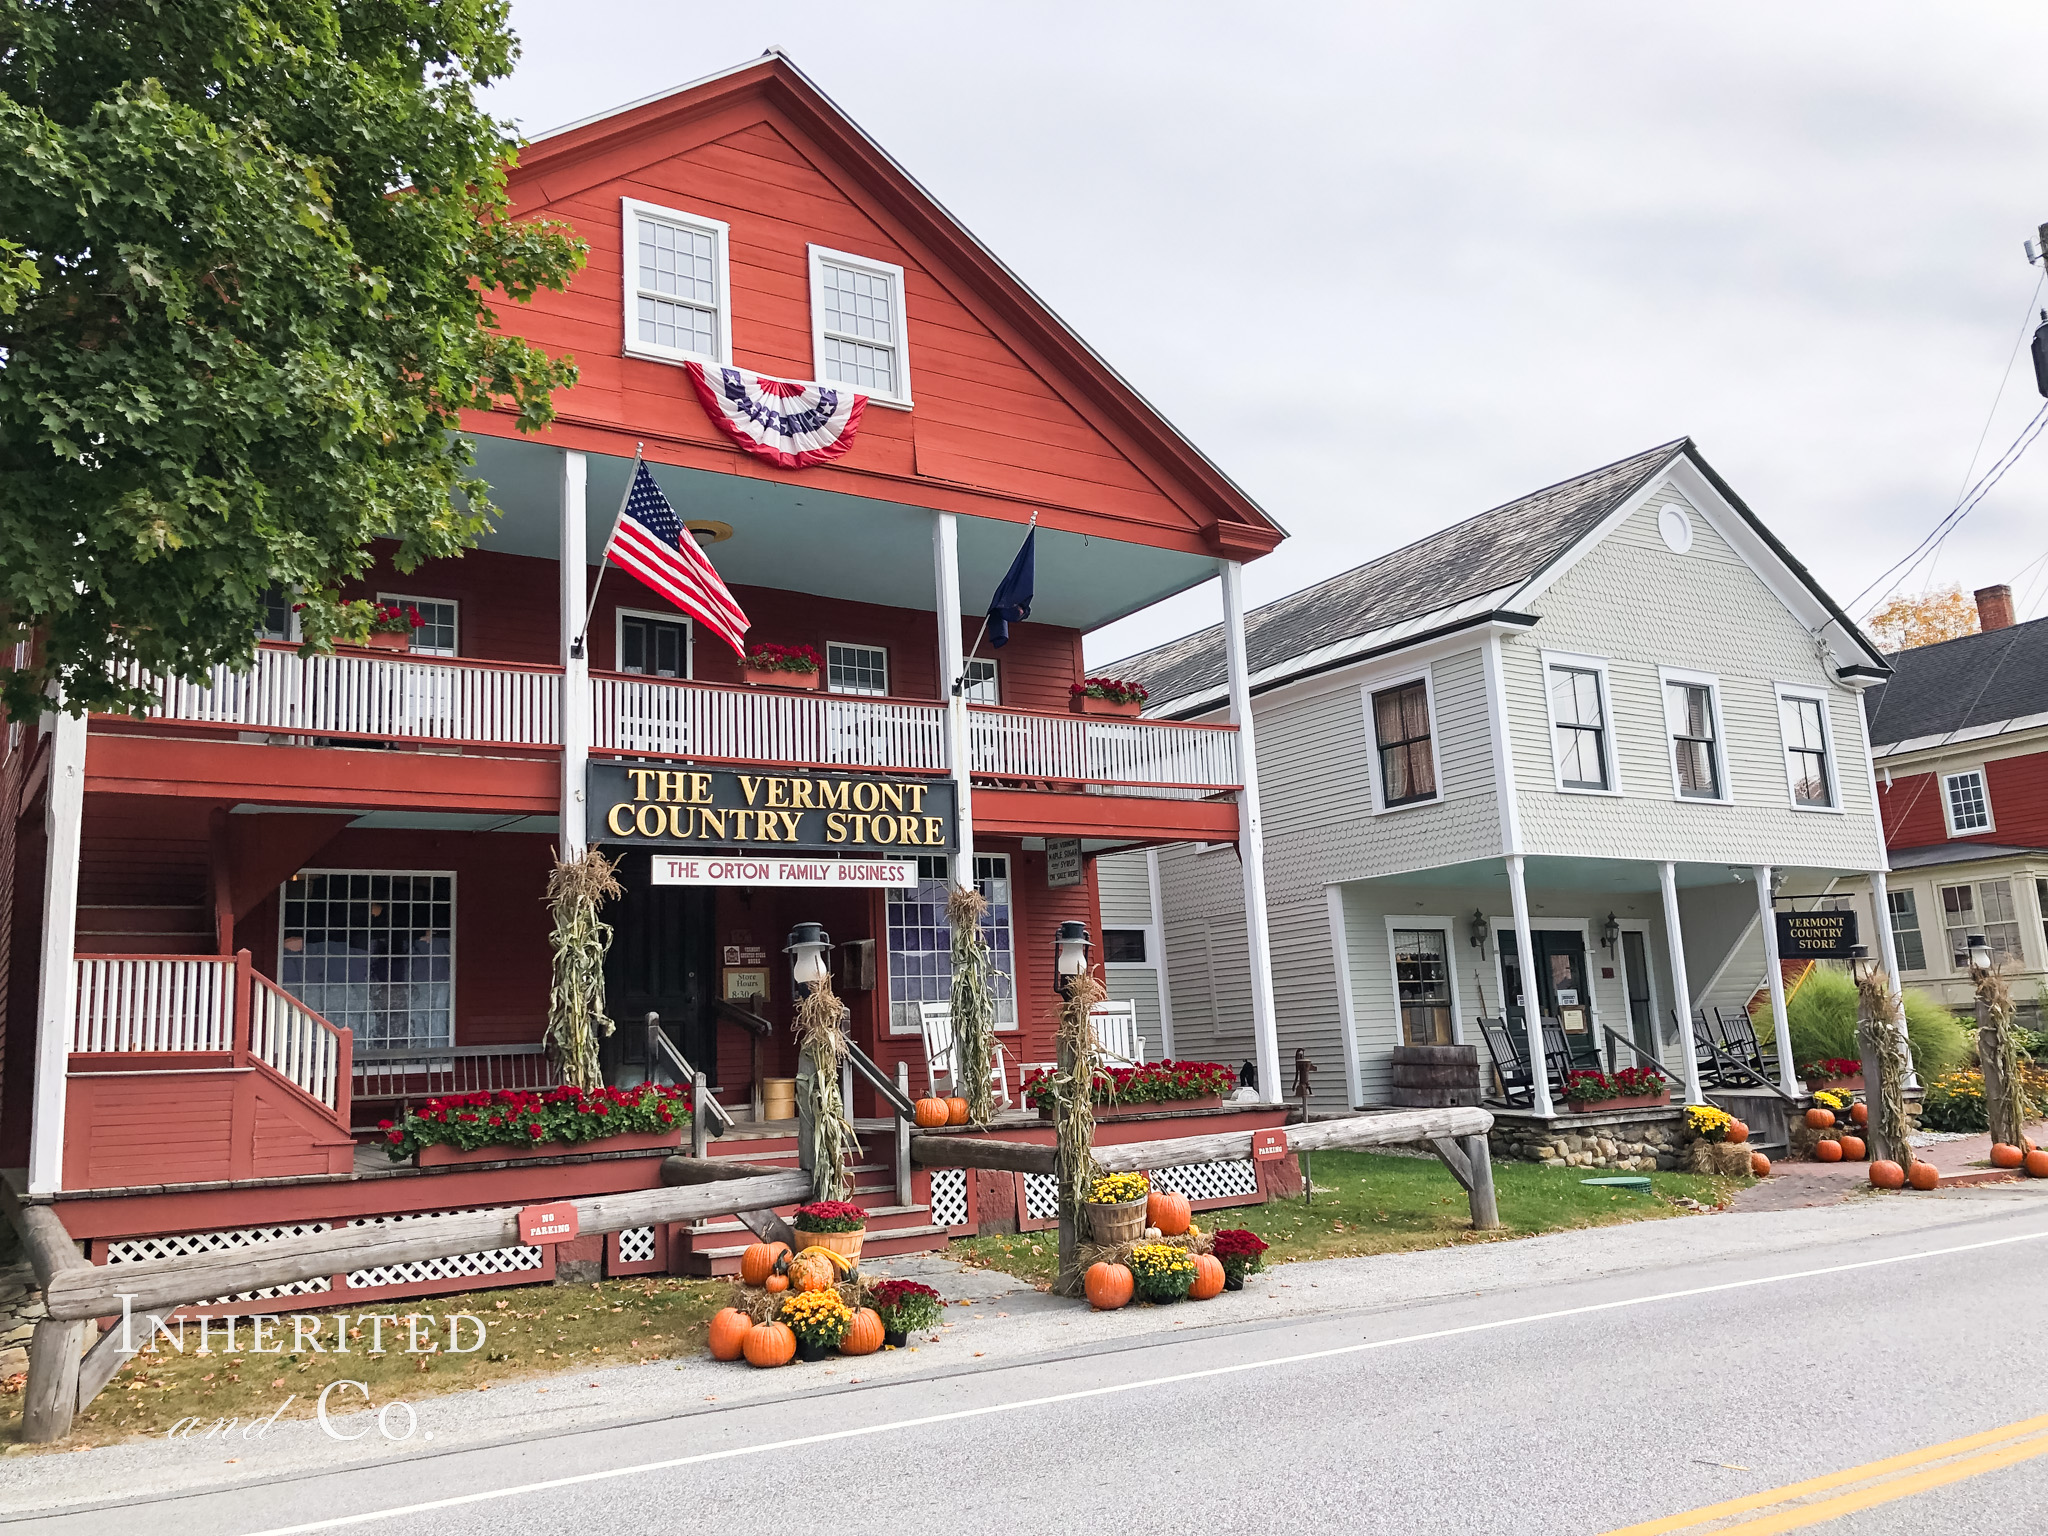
x=507, y=1124
x=783, y=666
x=391, y=627
x=1835, y=1074
x=1106, y=696
x=1587, y=1093
x=1144, y=1089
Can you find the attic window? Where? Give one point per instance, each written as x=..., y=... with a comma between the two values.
x=676, y=288
x=858, y=325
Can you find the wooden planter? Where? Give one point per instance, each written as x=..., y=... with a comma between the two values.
x=1082, y=704
x=1836, y=1084
x=758, y=677
x=396, y=644
x=1108, y=1224
x=441, y=1155
x=1636, y=1101
x=1127, y=1111
x=846, y=1244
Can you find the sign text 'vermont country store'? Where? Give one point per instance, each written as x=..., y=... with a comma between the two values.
x=838, y=813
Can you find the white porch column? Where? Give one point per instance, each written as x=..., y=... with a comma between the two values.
x=1767, y=914
x=952, y=669
x=575, y=576
x=1888, y=951
x=63, y=813
x=1251, y=844
x=1159, y=958
x=1681, y=989
x=1347, y=1012
x=1532, y=993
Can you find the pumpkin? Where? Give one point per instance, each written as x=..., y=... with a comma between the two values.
x=810, y=1271
x=1109, y=1286
x=776, y=1282
x=2027, y=1144
x=1169, y=1213
x=863, y=1334
x=770, y=1344
x=2006, y=1155
x=1923, y=1176
x=1759, y=1165
x=1886, y=1174
x=729, y=1330
x=2036, y=1164
x=1208, y=1277
x=1853, y=1148
x=1860, y=1113
x=1820, y=1119
x=931, y=1112
x=1737, y=1132
x=1827, y=1151
x=956, y=1111
x=758, y=1261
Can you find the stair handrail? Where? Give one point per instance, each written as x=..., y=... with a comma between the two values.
x=659, y=1046
x=894, y=1096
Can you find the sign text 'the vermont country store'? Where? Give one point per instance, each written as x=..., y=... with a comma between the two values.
x=718, y=807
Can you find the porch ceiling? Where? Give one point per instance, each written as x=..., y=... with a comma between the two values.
x=801, y=539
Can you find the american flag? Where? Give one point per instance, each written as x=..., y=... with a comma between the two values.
x=651, y=543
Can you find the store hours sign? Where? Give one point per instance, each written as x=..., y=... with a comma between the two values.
x=776, y=811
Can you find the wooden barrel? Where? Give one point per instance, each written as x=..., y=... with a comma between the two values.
x=1436, y=1076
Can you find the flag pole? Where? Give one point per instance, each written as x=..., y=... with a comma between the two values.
x=604, y=560
x=961, y=681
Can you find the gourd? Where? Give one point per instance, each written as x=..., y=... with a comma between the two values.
x=770, y=1344
x=1208, y=1277
x=2006, y=1155
x=1924, y=1176
x=729, y=1330
x=863, y=1334
x=1827, y=1151
x=758, y=1261
x=1853, y=1148
x=1886, y=1174
x=956, y=1111
x=1759, y=1166
x=1109, y=1286
x=1820, y=1119
x=931, y=1112
x=776, y=1282
x=811, y=1272
x=2036, y=1164
x=1169, y=1213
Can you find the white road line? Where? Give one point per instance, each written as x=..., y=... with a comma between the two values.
x=772, y=1446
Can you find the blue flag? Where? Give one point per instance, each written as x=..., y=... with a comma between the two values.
x=1012, y=602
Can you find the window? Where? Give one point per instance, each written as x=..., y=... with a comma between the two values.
x=373, y=952
x=651, y=646
x=921, y=942
x=1967, y=803
x=2041, y=903
x=1123, y=946
x=676, y=285
x=1988, y=909
x=981, y=686
x=1422, y=978
x=856, y=668
x=857, y=325
x=1905, y=915
x=1689, y=714
x=1400, y=722
x=1803, y=721
x=279, y=622
x=436, y=634
x=1578, y=716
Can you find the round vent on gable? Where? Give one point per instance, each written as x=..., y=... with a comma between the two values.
x=1676, y=527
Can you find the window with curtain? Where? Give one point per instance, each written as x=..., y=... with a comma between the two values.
x=1696, y=754
x=1400, y=718
x=1581, y=721
x=1422, y=978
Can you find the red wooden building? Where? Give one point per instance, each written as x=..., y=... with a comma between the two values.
x=244, y=926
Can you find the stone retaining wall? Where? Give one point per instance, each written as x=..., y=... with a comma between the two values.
x=1629, y=1140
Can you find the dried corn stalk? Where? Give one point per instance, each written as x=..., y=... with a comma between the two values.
x=1886, y=1022
x=576, y=1018
x=1073, y=1093
x=2008, y=1063
x=974, y=1004
x=821, y=1040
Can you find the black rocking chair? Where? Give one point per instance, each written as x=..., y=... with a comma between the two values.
x=1510, y=1053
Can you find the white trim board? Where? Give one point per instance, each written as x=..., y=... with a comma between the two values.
x=631, y=209
x=816, y=256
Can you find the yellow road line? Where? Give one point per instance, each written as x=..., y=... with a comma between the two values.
x=1877, y=1482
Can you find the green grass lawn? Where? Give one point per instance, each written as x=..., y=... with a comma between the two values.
x=1382, y=1204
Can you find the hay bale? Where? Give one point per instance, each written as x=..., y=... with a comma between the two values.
x=1086, y=1254
x=1726, y=1158
x=764, y=1305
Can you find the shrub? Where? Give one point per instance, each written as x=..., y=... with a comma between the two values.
x=1822, y=1018
x=1955, y=1100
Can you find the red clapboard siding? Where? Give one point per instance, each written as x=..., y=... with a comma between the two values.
x=2018, y=790
x=145, y=851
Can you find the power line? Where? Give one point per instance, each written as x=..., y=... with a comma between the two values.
x=2005, y=378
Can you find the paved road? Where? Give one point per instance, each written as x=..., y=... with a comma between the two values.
x=1574, y=1384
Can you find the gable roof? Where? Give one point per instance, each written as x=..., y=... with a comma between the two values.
x=1452, y=579
x=1971, y=681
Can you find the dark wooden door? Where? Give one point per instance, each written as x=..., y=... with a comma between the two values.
x=1562, y=991
x=662, y=961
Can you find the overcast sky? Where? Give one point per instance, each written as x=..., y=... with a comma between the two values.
x=1392, y=265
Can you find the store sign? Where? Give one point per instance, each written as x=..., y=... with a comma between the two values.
x=1063, y=861
x=1816, y=935
x=778, y=812
x=756, y=869
x=555, y=1223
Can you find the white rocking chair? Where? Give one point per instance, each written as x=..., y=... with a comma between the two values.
x=1116, y=1031
x=935, y=1022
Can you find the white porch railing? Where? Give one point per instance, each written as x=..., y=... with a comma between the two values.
x=759, y=725
x=365, y=694
x=295, y=1042
x=1089, y=749
x=151, y=1004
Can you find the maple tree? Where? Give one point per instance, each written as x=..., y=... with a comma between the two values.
x=1907, y=622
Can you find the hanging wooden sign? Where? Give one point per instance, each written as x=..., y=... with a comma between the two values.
x=1816, y=935
x=1063, y=861
x=778, y=812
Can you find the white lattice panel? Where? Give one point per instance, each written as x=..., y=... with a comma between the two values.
x=1209, y=1181
x=636, y=1245
x=949, y=1197
x=460, y=1266
x=131, y=1250
x=1041, y=1196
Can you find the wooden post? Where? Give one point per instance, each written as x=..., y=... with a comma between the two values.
x=1880, y=1146
x=1067, y=1273
x=977, y=1152
x=700, y=1090
x=758, y=1042
x=51, y=1396
x=903, y=1168
x=1485, y=1210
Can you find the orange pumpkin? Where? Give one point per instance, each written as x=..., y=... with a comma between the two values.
x=1853, y=1148
x=1208, y=1277
x=1759, y=1165
x=776, y=1282
x=931, y=1112
x=1827, y=1151
x=2006, y=1155
x=770, y=1344
x=1109, y=1286
x=758, y=1261
x=1860, y=1113
x=1886, y=1174
x=1169, y=1213
x=956, y=1111
x=863, y=1334
x=811, y=1271
x=1737, y=1132
x=1820, y=1119
x=1924, y=1176
x=2036, y=1164
x=729, y=1330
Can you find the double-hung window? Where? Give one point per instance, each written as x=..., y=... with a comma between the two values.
x=1809, y=765
x=981, y=686
x=1422, y=977
x=1578, y=717
x=857, y=325
x=676, y=286
x=1400, y=722
x=1905, y=917
x=436, y=634
x=1985, y=908
x=1692, y=718
x=1966, y=801
x=856, y=668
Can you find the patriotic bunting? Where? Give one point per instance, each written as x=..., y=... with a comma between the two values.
x=789, y=424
